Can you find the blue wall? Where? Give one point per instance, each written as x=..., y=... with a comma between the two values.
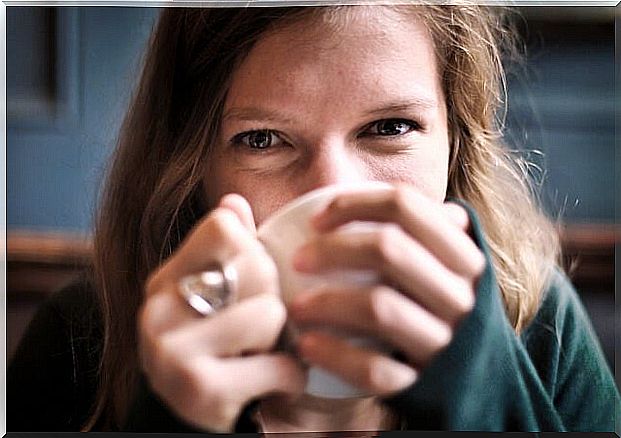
x=563, y=106
x=54, y=172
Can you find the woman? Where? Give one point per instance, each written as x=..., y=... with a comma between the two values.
x=241, y=110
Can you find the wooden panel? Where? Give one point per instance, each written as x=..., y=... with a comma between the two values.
x=46, y=247
x=38, y=263
x=589, y=255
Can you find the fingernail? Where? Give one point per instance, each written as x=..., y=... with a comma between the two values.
x=298, y=306
x=305, y=345
x=305, y=260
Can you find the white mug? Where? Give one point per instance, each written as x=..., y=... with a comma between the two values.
x=282, y=234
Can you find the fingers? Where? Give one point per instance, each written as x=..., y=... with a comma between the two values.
x=210, y=394
x=197, y=369
x=400, y=260
x=207, y=369
x=225, y=237
x=458, y=215
x=280, y=374
x=419, y=247
x=379, y=312
x=213, y=241
x=365, y=369
x=164, y=311
x=241, y=208
x=250, y=327
x=418, y=216
x=256, y=274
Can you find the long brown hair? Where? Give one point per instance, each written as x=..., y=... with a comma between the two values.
x=153, y=193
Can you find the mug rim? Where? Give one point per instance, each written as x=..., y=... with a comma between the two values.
x=286, y=209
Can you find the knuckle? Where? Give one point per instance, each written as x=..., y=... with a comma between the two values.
x=444, y=335
x=199, y=379
x=374, y=374
x=457, y=213
x=386, y=243
x=187, y=377
x=463, y=217
x=265, y=276
x=217, y=235
x=148, y=316
x=219, y=222
x=159, y=280
x=479, y=262
x=380, y=306
x=469, y=301
x=207, y=386
x=273, y=310
x=164, y=346
x=401, y=199
x=206, y=401
x=216, y=400
x=222, y=413
x=339, y=203
x=221, y=228
x=196, y=392
x=161, y=359
x=464, y=300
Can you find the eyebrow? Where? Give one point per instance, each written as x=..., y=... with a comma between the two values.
x=267, y=115
x=255, y=114
x=418, y=103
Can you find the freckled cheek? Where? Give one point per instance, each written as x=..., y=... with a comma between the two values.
x=264, y=203
x=263, y=195
x=428, y=174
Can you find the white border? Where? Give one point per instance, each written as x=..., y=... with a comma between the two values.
x=228, y=3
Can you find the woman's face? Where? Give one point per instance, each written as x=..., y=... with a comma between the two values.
x=312, y=106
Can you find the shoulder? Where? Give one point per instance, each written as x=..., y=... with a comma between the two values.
x=560, y=309
x=54, y=371
x=77, y=298
x=73, y=309
x=561, y=316
x=563, y=345
x=72, y=314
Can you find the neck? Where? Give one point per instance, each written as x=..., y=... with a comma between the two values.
x=314, y=414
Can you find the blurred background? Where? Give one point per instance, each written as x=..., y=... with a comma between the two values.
x=70, y=72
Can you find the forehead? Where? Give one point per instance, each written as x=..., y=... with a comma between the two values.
x=322, y=27
x=369, y=49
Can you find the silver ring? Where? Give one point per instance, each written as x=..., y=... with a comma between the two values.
x=208, y=291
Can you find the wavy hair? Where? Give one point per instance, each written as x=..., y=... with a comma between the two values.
x=153, y=193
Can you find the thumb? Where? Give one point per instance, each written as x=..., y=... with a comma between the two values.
x=238, y=205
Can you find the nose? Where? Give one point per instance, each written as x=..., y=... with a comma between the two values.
x=334, y=163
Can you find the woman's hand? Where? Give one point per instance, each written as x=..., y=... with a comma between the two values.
x=429, y=266
x=207, y=369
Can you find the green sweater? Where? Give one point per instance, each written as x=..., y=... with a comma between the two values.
x=551, y=378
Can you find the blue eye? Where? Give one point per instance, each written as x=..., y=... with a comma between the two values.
x=391, y=127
